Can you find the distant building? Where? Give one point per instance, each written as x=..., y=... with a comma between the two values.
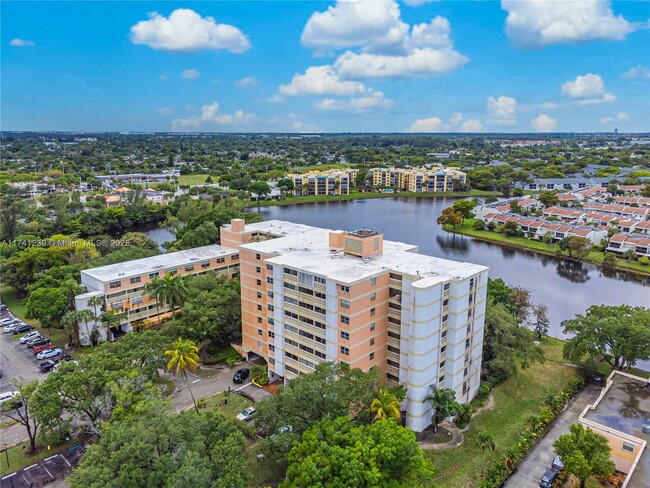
x=418, y=180
x=311, y=295
x=332, y=182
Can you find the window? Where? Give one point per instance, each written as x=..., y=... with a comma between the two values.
x=392, y=363
x=289, y=286
x=290, y=300
x=394, y=335
x=272, y=360
x=372, y=341
x=271, y=334
x=319, y=354
x=137, y=279
x=446, y=287
x=372, y=356
x=291, y=328
x=441, y=380
x=345, y=288
x=259, y=307
x=260, y=344
x=269, y=267
x=205, y=264
x=117, y=306
x=136, y=300
x=445, y=302
x=392, y=377
x=443, y=349
x=259, y=294
x=269, y=280
x=234, y=257
x=259, y=320
x=345, y=303
x=306, y=279
x=115, y=284
x=318, y=294
x=291, y=314
x=345, y=335
x=270, y=320
x=271, y=308
x=172, y=271
x=189, y=267
x=372, y=326
x=257, y=256
x=372, y=312
x=319, y=310
x=373, y=296
x=304, y=290
x=445, y=318
x=345, y=351
x=258, y=269
x=444, y=333
x=442, y=364
x=628, y=447
x=393, y=349
x=270, y=294
x=220, y=260
x=467, y=343
x=465, y=372
x=259, y=332
x=345, y=320
x=290, y=271
x=290, y=342
x=320, y=280
x=271, y=348
x=373, y=281
x=259, y=282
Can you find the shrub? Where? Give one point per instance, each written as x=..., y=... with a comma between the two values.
x=260, y=375
x=479, y=225
x=644, y=260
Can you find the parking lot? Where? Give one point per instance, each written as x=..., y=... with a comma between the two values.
x=45, y=472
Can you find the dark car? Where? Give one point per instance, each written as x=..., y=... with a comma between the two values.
x=47, y=366
x=548, y=478
x=23, y=328
x=38, y=342
x=61, y=357
x=45, y=347
x=241, y=375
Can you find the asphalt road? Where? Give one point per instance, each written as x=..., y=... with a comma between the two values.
x=531, y=469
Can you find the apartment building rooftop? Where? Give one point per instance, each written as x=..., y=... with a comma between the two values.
x=157, y=263
x=310, y=251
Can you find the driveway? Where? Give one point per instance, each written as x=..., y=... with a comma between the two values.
x=531, y=469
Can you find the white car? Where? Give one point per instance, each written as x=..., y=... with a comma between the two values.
x=29, y=336
x=6, y=396
x=247, y=414
x=49, y=353
x=10, y=328
x=8, y=321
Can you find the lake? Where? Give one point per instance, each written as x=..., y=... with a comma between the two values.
x=566, y=287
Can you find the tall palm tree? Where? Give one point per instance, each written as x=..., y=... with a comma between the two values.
x=444, y=404
x=485, y=440
x=173, y=291
x=96, y=302
x=385, y=405
x=153, y=290
x=184, y=355
x=71, y=321
x=110, y=319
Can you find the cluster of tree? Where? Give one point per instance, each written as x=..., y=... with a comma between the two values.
x=457, y=213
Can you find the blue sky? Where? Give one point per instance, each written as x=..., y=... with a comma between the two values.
x=361, y=66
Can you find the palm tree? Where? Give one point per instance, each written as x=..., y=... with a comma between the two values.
x=71, y=326
x=444, y=405
x=111, y=319
x=173, y=291
x=153, y=289
x=385, y=405
x=485, y=440
x=184, y=356
x=96, y=302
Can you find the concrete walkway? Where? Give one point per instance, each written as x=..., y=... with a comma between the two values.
x=540, y=457
x=457, y=439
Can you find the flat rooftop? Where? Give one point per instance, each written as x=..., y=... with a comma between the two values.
x=154, y=264
x=309, y=251
x=625, y=407
x=277, y=227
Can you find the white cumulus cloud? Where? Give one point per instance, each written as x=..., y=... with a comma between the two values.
x=165, y=110
x=371, y=99
x=186, y=30
x=246, y=82
x=543, y=123
x=321, y=80
x=18, y=42
x=418, y=3
x=190, y=74
x=210, y=114
x=456, y=123
x=502, y=110
x=637, y=72
x=588, y=89
x=619, y=117
x=538, y=23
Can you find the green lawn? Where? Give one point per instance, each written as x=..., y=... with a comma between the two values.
x=236, y=403
x=595, y=257
x=19, y=460
x=356, y=195
x=515, y=400
x=192, y=180
x=168, y=385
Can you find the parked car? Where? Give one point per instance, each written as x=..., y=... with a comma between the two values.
x=48, y=353
x=39, y=349
x=37, y=342
x=247, y=414
x=30, y=337
x=548, y=478
x=558, y=464
x=47, y=366
x=3, y=306
x=7, y=396
x=8, y=320
x=59, y=363
x=22, y=328
x=61, y=357
x=241, y=375
x=8, y=329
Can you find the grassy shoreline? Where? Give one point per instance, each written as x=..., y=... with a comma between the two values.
x=293, y=200
x=594, y=257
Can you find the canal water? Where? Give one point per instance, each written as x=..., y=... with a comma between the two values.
x=566, y=287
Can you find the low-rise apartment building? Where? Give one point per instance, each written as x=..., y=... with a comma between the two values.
x=436, y=179
x=121, y=286
x=332, y=182
x=622, y=415
x=311, y=295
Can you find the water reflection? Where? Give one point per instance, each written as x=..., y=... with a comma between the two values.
x=573, y=271
x=453, y=242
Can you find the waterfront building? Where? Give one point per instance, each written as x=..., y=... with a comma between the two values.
x=121, y=286
x=332, y=182
x=311, y=295
x=418, y=180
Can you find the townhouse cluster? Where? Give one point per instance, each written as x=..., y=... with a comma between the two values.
x=332, y=182
x=418, y=180
x=120, y=196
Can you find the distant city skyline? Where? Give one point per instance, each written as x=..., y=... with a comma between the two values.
x=340, y=66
